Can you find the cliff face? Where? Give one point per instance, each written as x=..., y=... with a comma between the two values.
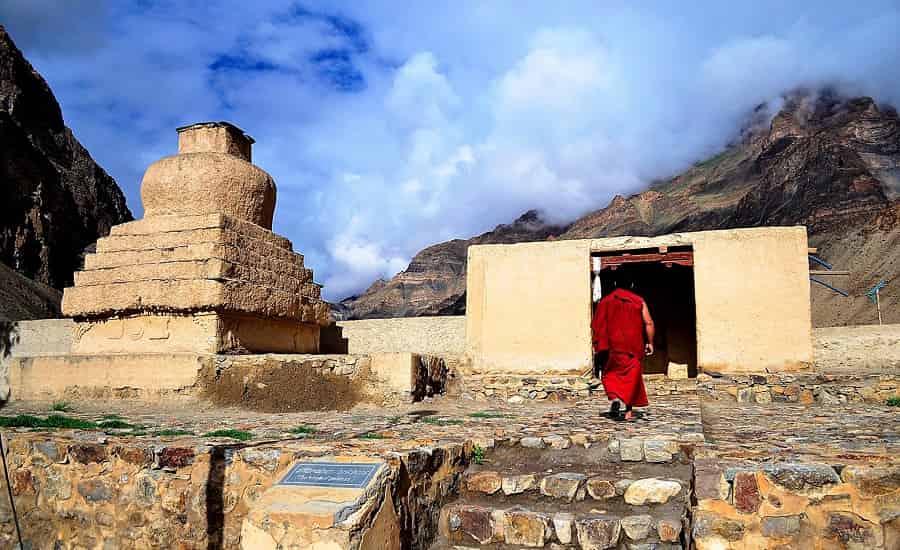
x=54, y=199
x=829, y=163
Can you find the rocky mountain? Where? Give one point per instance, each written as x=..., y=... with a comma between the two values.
x=22, y=298
x=435, y=281
x=54, y=199
x=830, y=163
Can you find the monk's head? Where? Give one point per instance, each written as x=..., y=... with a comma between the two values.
x=619, y=277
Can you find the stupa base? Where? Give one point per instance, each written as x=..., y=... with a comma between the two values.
x=206, y=332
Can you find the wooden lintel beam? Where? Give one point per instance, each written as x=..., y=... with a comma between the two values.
x=678, y=258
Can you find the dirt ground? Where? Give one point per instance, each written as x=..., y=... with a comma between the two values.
x=280, y=387
x=863, y=348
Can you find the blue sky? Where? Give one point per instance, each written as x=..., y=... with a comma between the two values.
x=390, y=126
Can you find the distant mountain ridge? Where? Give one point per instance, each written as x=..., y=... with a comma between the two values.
x=435, y=281
x=827, y=162
x=54, y=200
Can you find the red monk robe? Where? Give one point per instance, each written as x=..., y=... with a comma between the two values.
x=618, y=327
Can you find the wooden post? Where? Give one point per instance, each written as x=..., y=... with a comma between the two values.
x=878, y=305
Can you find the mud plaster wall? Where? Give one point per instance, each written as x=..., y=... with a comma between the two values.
x=752, y=293
x=528, y=305
x=423, y=335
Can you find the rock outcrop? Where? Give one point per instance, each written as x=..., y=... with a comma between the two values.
x=54, y=200
x=827, y=162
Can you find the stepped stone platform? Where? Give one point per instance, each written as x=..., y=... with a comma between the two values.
x=461, y=473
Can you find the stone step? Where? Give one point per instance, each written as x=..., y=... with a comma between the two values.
x=566, y=474
x=630, y=486
x=478, y=525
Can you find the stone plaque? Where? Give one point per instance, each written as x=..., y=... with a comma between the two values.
x=354, y=475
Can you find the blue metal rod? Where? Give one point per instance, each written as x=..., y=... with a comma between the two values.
x=821, y=262
x=823, y=283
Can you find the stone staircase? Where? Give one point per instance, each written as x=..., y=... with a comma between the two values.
x=574, y=498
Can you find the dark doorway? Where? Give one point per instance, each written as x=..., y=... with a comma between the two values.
x=665, y=279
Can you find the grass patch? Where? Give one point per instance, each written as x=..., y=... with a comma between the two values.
x=437, y=421
x=713, y=160
x=61, y=406
x=168, y=433
x=371, y=435
x=894, y=401
x=303, y=429
x=478, y=454
x=52, y=421
x=240, y=435
x=116, y=425
x=489, y=414
x=111, y=417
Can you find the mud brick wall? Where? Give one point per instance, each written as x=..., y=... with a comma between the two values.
x=88, y=491
x=423, y=335
x=803, y=388
x=794, y=505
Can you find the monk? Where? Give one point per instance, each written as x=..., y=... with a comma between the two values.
x=623, y=333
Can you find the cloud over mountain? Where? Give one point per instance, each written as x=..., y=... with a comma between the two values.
x=390, y=125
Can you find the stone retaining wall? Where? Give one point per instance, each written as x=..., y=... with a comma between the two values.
x=795, y=505
x=802, y=388
x=516, y=388
x=89, y=491
x=423, y=335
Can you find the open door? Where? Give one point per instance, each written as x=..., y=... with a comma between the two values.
x=664, y=277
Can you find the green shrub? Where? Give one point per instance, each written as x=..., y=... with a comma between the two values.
x=52, y=421
x=61, y=406
x=489, y=414
x=233, y=434
x=894, y=401
x=303, y=429
x=478, y=454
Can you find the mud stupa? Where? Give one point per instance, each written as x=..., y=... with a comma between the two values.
x=202, y=272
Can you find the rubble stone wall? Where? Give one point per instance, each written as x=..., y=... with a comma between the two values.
x=803, y=388
x=85, y=492
x=554, y=388
x=794, y=505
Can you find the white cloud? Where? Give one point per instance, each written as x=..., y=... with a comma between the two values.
x=470, y=112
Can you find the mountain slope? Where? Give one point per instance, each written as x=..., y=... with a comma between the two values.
x=54, y=199
x=21, y=298
x=435, y=281
x=829, y=163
